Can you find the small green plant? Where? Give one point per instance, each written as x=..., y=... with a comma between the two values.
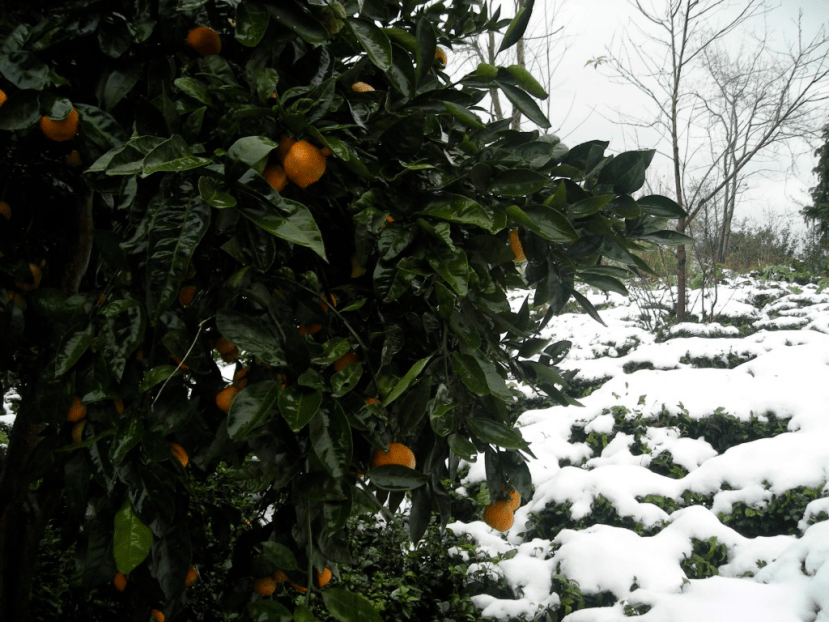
x=705, y=559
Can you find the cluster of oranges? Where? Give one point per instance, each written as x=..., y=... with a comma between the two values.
x=120, y=582
x=267, y=585
x=499, y=514
x=299, y=162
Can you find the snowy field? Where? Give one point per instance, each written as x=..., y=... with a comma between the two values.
x=692, y=485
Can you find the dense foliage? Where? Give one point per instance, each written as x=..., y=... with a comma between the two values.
x=364, y=301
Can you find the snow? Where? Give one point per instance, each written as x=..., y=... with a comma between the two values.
x=771, y=360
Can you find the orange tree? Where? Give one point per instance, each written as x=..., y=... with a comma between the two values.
x=191, y=181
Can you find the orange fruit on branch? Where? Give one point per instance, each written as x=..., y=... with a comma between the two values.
x=37, y=275
x=119, y=405
x=180, y=453
x=186, y=295
x=398, y=454
x=441, y=56
x=324, y=577
x=498, y=515
x=204, y=40
x=280, y=577
x=304, y=164
x=3, y=97
x=73, y=159
x=346, y=360
x=362, y=87
x=225, y=398
x=516, y=246
x=60, y=130
x=224, y=346
x=158, y=615
x=120, y=581
x=265, y=586
x=77, y=410
x=191, y=577
x=274, y=174
x=286, y=142
x=239, y=378
x=5, y=210
x=78, y=431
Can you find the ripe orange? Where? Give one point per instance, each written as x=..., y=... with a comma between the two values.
x=186, y=295
x=302, y=589
x=274, y=174
x=60, y=130
x=304, y=164
x=180, y=453
x=371, y=400
x=73, y=159
x=37, y=275
x=5, y=210
x=119, y=405
x=280, y=577
x=225, y=398
x=3, y=97
x=310, y=329
x=398, y=454
x=265, y=586
x=498, y=515
x=346, y=360
x=324, y=303
x=516, y=246
x=286, y=143
x=204, y=40
x=239, y=380
x=120, y=581
x=326, y=152
x=324, y=577
x=441, y=56
x=78, y=431
x=77, y=410
x=224, y=346
x=362, y=87
x=158, y=615
x=515, y=499
x=191, y=577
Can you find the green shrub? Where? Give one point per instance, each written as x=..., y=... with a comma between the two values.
x=780, y=515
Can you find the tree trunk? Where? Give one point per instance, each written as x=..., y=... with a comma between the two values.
x=23, y=516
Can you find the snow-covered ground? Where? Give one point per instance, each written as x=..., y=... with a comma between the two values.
x=666, y=420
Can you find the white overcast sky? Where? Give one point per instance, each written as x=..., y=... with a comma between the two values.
x=585, y=102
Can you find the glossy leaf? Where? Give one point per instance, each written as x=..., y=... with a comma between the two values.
x=21, y=111
x=72, y=348
x=658, y=205
x=251, y=408
x=299, y=227
x=129, y=434
x=547, y=223
x=374, y=41
x=518, y=182
x=517, y=27
x=470, y=373
x=306, y=27
x=251, y=149
x=298, y=406
x=627, y=171
x=278, y=556
x=525, y=104
x=396, y=478
x=463, y=210
x=462, y=447
x=463, y=115
x=212, y=194
x=251, y=335
x=251, y=23
x=267, y=610
x=668, y=238
x=172, y=155
x=331, y=438
x=496, y=433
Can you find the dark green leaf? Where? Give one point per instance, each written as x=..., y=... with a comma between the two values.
x=531, y=346
x=668, y=238
x=604, y=283
x=132, y=540
x=396, y=478
x=587, y=306
x=267, y=610
x=463, y=210
x=470, y=373
x=119, y=83
x=25, y=70
x=129, y=433
x=518, y=182
x=374, y=41
x=299, y=227
x=463, y=447
x=250, y=335
x=71, y=349
x=298, y=406
x=278, y=556
x=463, y=115
x=624, y=206
x=251, y=23
x=194, y=88
x=627, y=171
x=346, y=606
x=172, y=155
x=21, y=111
x=425, y=53
x=251, y=149
x=525, y=104
x=589, y=206
x=211, y=193
x=496, y=433
x=331, y=438
x=547, y=223
x=452, y=265
x=657, y=205
x=251, y=408
x=517, y=26
x=155, y=376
